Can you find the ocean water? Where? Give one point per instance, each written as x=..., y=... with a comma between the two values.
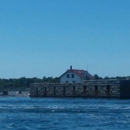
x=24, y=113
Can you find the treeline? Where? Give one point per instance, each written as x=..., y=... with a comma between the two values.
x=25, y=82
x=117, y=77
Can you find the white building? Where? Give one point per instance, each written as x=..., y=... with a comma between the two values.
x=75, y=75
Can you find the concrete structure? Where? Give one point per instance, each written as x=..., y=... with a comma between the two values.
x=75, y=76
x=91, y=88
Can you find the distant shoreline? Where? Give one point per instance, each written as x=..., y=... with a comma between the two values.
x=16, y=94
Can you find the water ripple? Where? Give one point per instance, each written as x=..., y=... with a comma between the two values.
x=66, y=114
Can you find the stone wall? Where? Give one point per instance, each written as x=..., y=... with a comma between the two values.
x=104, y=88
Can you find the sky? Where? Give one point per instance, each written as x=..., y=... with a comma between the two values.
x=44, y=37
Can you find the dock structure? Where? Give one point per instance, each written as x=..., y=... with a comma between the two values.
x=91, y=88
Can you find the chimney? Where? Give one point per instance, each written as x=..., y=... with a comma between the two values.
x=71, y=67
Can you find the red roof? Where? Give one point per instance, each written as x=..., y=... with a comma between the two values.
x=81, y=73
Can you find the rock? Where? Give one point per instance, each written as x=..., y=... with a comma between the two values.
x=5, y=92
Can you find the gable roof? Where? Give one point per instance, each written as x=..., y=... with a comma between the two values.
x=81, y=73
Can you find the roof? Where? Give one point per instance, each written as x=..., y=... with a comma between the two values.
x=81, y=73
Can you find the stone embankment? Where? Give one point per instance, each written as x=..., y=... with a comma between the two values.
x=90, y=88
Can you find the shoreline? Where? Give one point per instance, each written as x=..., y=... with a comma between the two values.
x=16, y=94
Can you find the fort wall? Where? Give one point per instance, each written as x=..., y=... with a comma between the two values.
x=90, y=88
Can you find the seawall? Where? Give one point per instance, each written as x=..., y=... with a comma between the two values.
x=90, y=88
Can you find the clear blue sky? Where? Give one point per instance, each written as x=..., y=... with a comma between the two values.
x=44, y=37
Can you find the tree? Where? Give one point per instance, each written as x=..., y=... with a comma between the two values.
x=106, y=77
x=96, y=76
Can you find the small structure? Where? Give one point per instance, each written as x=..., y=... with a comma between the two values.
x=75, y=76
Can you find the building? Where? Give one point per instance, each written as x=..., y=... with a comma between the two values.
x=75, y=76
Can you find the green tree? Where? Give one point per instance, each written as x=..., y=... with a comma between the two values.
x=96, y=76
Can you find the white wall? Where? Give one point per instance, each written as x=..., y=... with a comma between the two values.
x=76, y=78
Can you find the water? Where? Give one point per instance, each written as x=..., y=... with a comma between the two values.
x=22, y=113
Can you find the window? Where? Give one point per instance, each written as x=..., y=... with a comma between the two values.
x=72, y=75
x=73, y=81
x=68, y=75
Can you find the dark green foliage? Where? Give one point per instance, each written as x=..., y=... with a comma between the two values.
x=106, y=77
x=97, y=77
x=25, y=82
x=117, y=77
